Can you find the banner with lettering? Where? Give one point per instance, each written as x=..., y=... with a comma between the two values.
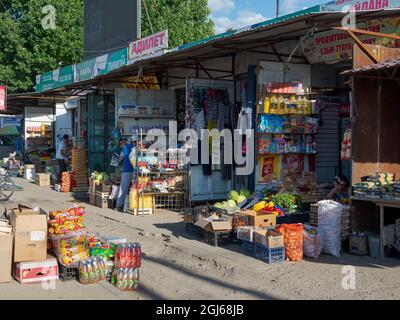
x=333, y=46
x=111, y=61
x=148, y=45
x=55, y=79
x=360, y=5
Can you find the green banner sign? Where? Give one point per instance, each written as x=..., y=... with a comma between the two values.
x=85, y=70
x=54, y=79
x=112, y=61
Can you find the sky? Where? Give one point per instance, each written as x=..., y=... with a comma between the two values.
x=240, y=13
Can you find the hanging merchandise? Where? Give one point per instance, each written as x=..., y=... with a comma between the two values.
x=346, y=146
x=269, y=168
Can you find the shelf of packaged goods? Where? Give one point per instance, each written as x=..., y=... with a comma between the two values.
x=278, y=154
x=289, y=114
x=295, y=133
x=144, y=116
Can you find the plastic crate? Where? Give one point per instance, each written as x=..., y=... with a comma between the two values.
x=67, y=273
x=217, y=238
x=294, y=218
x=194, y=230
x=274, y=255
x=248, y=247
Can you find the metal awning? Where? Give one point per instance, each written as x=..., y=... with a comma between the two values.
x=384, y=65
x=260, y=39
x=16, y=103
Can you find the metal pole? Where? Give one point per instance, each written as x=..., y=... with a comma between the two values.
x=277, y=8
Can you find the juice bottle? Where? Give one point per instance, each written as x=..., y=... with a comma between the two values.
x=267, y=105
x=97, y=270
x=274, y=105
x=83, y=273
x=91, y=272
x=281, y=105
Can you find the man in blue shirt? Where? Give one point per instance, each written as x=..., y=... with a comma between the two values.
x=130, y=157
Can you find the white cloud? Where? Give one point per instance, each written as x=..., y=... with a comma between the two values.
x=289, y=6
x=221, y=5
x=244, y=18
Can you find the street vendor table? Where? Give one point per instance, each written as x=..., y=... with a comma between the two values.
x=382, y=204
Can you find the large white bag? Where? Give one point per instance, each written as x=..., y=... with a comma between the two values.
x=330, y=224
x=313, y=243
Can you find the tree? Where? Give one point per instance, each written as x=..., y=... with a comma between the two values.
x=186, y=20
x=28, y=48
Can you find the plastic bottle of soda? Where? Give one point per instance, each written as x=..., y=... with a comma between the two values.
x=135, y=273
x=83, y=273
x=103, y=268
x=124, y=284
x=97, y=270
x=138, y=254
x=130, y=279
x=91, y=271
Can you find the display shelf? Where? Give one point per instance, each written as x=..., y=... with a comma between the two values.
x=139, y=116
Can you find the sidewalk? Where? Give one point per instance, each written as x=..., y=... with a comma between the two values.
x=177, y=266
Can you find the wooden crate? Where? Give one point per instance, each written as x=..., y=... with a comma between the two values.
x=42, y=179
x=92, y=199
x=101, y=202
x=141, y=212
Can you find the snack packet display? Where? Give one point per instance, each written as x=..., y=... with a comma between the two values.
x=71, y=248
x=66, y=221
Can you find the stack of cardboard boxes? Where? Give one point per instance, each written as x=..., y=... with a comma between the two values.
x=25, y=247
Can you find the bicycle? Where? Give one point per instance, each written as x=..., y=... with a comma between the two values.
x=7, y=185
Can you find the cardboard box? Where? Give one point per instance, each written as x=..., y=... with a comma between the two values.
x=42, y=179
x=269, y=239
x=30, y=234
x=214, y=225
x=6, y=246
x=37, y=271
x=5, y=227
x=260, y=219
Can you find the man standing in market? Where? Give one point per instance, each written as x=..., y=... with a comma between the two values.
x=129, y=162
x=62, y=155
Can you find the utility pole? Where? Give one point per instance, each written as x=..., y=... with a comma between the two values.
x=277, y=8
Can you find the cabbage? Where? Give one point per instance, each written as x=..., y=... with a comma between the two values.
x=240, y=199
x=233, y=195
x=245, y=192
x=232, y=203
x=218, y=205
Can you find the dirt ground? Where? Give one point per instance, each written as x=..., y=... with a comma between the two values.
x=178, y=266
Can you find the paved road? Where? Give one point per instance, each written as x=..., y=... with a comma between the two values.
x=178, y=266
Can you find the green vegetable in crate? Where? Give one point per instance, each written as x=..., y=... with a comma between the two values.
x=233, y=195
x=240, y=199
x=286, y=201
x=245, y=192
x=218, y=205
x=232, y=204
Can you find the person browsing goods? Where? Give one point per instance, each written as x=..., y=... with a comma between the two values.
x=62, y=155
x=129, y=162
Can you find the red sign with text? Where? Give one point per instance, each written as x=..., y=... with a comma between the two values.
x=3, y=98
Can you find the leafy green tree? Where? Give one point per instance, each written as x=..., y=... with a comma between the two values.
x=28, y=49
x=186, y=20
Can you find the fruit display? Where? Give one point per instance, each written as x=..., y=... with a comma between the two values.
x=66, y=221
x=92, y=270
x=71, y=248
x=65, y=182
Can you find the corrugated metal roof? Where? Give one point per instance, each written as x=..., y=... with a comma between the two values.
x=384, y=65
